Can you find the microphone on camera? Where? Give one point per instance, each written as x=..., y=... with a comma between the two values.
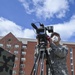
x=34, y=26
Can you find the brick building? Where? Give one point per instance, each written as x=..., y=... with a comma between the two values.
x=23, y=49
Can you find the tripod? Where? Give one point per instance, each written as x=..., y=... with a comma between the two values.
x=39, y=59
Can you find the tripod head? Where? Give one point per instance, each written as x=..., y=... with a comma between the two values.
x=41, y=33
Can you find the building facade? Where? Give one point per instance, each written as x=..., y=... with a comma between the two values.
x=23, y=49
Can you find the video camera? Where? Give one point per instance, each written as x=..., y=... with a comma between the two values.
x=41, y=32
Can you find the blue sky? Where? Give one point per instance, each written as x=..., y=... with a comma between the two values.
x=16, y=16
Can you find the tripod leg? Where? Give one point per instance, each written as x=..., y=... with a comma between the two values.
x=42, y=64
x=37, y=64
x=33, y=69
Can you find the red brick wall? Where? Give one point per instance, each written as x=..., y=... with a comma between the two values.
x=29, y=57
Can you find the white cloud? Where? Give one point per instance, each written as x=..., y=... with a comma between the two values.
x=67, y=29
x=46, y=8
x=27, y=6
x=29, y=33
x=7, y=26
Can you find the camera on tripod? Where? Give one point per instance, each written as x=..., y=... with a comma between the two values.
x=41, y=32
x=41, y=50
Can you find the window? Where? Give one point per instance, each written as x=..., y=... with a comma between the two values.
x=22, y=65
x=71, y=67
x=9, y=39
x=15, y=52
x=24, y=46
x=71, y=60
x=72, y=72
x=71, y=50
x=23, y=59
x=71, y=64
x=14, y=72
x=21, y=72
x=16, y=58
x=23, y=53
x=8, y=45
x=71, y=53
x=16, y=46
x=1, y=45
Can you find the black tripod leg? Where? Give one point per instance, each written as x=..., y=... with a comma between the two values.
x=35, y=63
x=42, y=64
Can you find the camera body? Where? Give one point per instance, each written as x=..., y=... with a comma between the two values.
x=42, y=29
x=41, y=32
